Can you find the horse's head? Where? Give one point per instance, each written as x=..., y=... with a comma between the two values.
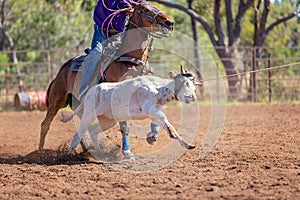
x=185, y=89
x=150, y=18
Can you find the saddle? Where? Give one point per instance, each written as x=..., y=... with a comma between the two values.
x=110, y=48
x=77, y=62
x=109, y=53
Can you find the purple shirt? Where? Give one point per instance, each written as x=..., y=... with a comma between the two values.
x=101, y=13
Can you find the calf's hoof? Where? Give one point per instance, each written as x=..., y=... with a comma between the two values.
x=152, y=138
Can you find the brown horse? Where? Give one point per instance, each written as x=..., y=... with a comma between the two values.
x=146, y=20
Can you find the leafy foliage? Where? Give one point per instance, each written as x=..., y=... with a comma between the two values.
x=67, y=24
x=49, y=24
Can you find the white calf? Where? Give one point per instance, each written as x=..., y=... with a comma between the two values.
x=133, y=99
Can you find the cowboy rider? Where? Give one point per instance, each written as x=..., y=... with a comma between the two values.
x=102, y=12
x=102, y=17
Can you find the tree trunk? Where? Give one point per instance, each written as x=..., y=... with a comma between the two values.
x=229, y=65
x=13, y=55
x=196, y=47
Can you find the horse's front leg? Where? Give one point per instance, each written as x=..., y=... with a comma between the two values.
x=125, y=140
x=53, y=108
x=163, y=95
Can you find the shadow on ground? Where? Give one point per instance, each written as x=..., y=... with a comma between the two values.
x=46, y=157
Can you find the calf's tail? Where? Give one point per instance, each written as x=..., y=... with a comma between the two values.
x=68, y=117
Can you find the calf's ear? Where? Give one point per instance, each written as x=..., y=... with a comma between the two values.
x=172, y=75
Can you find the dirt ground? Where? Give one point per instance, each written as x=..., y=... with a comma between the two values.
x=256, y=157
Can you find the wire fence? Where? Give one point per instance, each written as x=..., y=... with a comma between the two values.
x=251, y=83
x=38, y=68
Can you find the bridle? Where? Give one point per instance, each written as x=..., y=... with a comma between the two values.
x=152, y=19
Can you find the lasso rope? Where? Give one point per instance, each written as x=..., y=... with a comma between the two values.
x=250, y=72
x=110, y=17
x=115, y=12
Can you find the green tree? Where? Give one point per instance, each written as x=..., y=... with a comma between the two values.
x=49, y=24
x=43, y=25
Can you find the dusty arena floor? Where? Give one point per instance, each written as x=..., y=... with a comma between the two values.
x=256, y=157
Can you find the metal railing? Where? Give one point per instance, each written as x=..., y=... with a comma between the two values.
x=267, y=86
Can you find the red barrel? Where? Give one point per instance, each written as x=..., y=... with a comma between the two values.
x=42, y=100
x=33, y=100
x=30, y=100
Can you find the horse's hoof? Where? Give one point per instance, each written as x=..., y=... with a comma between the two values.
x=70, y=152
x=152, y=138
x=128, y=154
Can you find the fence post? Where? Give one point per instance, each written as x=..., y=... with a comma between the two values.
x=270, y=78
x=50, y=65
x=253, y=76
x=218, y=84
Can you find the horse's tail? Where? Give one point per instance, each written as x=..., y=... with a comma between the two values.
x=68, y=117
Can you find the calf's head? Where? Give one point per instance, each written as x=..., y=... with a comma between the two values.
x=185, y=89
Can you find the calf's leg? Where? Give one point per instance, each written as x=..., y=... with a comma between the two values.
x=152, y=136
x=87, y=119
x=159, y=116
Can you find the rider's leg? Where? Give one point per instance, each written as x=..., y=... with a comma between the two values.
x=90, y=70
x=98, y=37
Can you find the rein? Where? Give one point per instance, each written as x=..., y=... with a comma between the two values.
x=112, y=15
x=152, y=19
x=149, y=33
x=143, y=29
